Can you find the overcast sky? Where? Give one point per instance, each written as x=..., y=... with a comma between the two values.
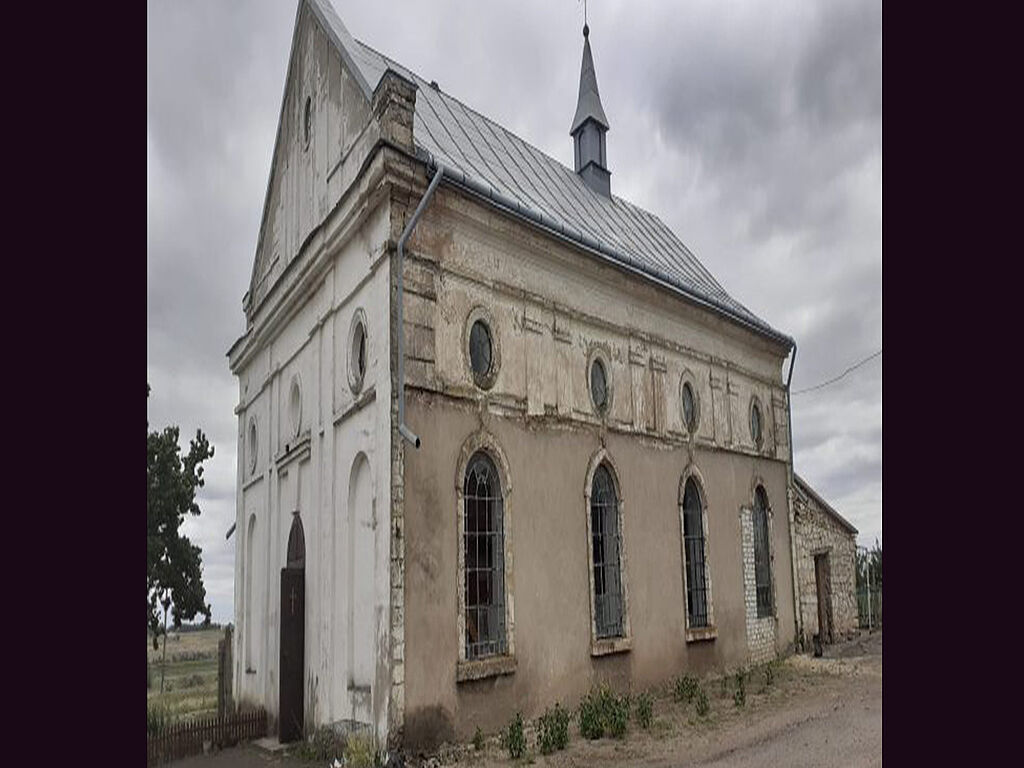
x=753, y=129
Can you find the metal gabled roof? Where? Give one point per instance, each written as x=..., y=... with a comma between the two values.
x=519, y=177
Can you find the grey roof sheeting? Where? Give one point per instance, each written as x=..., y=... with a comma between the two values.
x=482, y=156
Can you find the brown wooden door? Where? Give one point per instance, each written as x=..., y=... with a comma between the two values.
x=293, y=636
x=823, y=579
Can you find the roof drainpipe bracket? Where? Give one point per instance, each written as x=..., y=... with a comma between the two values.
x=403, y=428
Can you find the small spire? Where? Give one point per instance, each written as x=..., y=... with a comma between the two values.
x=589, y=126
x=589, y=102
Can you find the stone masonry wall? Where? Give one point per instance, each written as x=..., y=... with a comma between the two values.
x=818, y=532
x=760, y=632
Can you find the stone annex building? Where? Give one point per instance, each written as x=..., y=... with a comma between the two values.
x=501, y=435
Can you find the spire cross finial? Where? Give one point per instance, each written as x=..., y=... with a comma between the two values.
x=586, y=27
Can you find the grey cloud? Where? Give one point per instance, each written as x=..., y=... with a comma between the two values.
x=752, y=129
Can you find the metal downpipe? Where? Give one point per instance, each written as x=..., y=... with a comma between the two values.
x=403, y=428
x=798, y=619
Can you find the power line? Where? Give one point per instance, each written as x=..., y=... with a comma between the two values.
x=853, y=367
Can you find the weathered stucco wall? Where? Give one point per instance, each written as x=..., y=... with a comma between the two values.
x=551, y=309
x=308, y=178
x=550, y=573
x=818, y=532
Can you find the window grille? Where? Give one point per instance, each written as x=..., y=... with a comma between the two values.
x=604, y=527
x=484, y=545
x=696, y=564
x=762, y=561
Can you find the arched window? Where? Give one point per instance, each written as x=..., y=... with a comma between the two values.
x=695, y=552
x=762, y=554
x=606, y=543
x=484, y=546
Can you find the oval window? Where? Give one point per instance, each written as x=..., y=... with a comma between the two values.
x=357, y=352
x=253, y=443
x=689, y=408
x=755, y=424
x=480, y=350
x=599, y=385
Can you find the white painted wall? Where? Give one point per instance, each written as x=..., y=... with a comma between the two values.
x=336, y=479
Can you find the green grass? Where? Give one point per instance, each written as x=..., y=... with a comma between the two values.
x=190, y=675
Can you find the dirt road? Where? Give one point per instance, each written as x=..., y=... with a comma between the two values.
x=817, y=712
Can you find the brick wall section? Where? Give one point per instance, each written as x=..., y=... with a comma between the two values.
x=761, y=634
x=818, y=531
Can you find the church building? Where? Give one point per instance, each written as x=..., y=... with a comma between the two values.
x=501, y=435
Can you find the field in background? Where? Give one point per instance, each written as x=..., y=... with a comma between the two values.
x=190, y=676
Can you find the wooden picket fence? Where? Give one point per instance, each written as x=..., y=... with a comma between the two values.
x=188, y=737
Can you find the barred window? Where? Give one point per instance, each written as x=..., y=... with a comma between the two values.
x=606, y=542
x=484, y=543
x=762, y=559
x=696, y=564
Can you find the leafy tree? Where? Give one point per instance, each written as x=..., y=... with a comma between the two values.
x=174, y=576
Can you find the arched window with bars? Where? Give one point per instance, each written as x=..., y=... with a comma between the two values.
x=762, y=554
x=484, y=549
x=606, y=546
x=695, y=553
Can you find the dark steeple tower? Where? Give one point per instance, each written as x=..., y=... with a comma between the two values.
x=589, y=127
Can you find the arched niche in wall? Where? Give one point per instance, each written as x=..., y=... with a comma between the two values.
x=361, y=557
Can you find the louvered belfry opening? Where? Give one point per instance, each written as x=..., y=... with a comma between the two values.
x=484, y=544
x=604, y=528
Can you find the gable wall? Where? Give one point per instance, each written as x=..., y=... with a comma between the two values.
x=306, y=181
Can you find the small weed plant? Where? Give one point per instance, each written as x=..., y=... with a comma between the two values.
x=644, y=712
x=618, y=716
x=601, y=712
x=685, y=688
x=323, y=744
x=769, y=674
x=553, y=729
x=360, y=752
x=513, y=739
x=478, y=739
x=703, y=705
x=739, y=698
